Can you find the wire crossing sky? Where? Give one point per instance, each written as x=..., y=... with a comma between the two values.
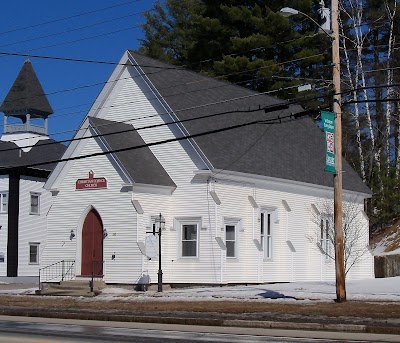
x=98, y=30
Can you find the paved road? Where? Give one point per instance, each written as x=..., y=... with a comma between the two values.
x=42, y=330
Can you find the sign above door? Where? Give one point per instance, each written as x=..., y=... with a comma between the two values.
x=91, y=182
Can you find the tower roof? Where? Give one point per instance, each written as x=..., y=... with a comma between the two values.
x=26, y=95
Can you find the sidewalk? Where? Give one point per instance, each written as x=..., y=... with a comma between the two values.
x=372, y=306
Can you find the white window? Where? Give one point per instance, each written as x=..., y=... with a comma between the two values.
x=231, y=236
x=189, y=236
x=267, y=219
x=230, y=240
x=325, y=239
x=189, y=240
x=3, y=202
x=35, y=203
x=33, y=253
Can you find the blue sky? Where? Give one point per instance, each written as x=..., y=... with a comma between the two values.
x=35, y=27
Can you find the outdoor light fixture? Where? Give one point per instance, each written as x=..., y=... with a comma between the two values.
x=160, y=223
x=105, y=233
x=71, y=235
x=287, y=11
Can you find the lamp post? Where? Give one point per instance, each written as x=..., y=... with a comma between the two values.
x=337, y=177
x=160, y=222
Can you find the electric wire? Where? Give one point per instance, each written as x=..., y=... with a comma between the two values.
x=82, y=39
x=297, y=100
x=68, y=17
x=294, y=101
x=73, y=30
x=140, y=74
x=270, y=108
x=146, y=145
x=159, y=114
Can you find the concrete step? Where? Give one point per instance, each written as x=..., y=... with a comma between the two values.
x=99, y=284
x=66, y=292
x=72, y=288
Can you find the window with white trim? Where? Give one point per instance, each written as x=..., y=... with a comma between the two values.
x=3, y=202
x=189, y=236
x=325, y=241
x=231, y=236
x=34, y=253
x=189, y=240
x=267, y=219
x=35, y=203
x=230, y=240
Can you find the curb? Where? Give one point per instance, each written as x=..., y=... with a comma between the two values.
x=354, y=328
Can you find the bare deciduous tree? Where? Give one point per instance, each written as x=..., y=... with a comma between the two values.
x=355, y=231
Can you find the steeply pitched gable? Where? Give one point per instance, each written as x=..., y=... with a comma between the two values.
x=142, y=166
x=292, y=150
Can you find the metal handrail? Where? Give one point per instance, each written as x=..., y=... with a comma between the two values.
x=96, y=272
x=57, y=272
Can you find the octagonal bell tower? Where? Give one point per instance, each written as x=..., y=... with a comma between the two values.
x=25, y=101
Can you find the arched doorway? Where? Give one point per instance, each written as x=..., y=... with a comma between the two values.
x=92, y=245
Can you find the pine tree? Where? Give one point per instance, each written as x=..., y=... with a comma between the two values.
x=244, y=42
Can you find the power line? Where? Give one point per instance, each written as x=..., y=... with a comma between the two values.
x=84, y=38
x=69, y=17
x=244, y=153
x=296, y=100
x=75, y=29
x=269, y=108
x=270, y=121
x=134, y=65
x=132, y=102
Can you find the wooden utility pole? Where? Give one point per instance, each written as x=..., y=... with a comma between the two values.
x=337, y=178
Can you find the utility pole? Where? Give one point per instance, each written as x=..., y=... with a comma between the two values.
x=337, y=178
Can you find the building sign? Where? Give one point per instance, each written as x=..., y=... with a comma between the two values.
x=328, y=122
x=91, y=182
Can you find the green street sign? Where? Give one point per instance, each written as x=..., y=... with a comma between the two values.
x=328, y=122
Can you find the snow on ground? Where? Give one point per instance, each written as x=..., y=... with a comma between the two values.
x=381, y=248
x=387, y=242
x=383, y=289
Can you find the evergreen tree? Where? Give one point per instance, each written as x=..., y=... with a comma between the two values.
x=245, y=42
x=249, y=43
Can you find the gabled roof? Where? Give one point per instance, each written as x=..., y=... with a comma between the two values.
x=141, y=165
x=292, y=150
x=26, y=95
x=42, y=151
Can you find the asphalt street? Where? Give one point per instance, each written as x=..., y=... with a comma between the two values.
x=42, y=330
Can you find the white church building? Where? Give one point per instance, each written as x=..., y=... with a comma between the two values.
x=236, y=188
x=25, y=148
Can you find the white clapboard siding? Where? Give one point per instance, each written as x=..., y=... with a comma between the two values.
x=32, y=227
x=130, y=101
x=188, y=200
x=69, y=210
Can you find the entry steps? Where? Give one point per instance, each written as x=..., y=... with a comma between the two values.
x=74, y=288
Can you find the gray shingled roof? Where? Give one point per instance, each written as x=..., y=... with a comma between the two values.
x=42, y=151
x=141, y=164
x=26, y=95
x=294, y=150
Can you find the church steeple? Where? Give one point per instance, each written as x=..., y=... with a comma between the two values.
x=26, y=100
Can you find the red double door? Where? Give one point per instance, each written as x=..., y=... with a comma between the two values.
x=92, y=245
